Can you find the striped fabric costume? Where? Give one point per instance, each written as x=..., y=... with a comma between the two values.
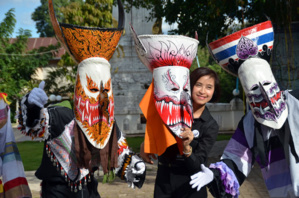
x=11, y=167
x=268, y=134
x=280, y=172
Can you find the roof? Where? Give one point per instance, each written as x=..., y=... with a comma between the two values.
x=35, y=43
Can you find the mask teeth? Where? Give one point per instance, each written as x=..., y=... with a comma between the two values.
x=162, y=104
x=253, y=100
x=87, y=106
x=82, y=117
x=170, y=107
x=79, y=103
x=261, y=110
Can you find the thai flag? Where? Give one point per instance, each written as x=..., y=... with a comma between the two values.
x=225, y=48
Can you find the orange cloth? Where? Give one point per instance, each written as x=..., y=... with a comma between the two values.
x=157, y=136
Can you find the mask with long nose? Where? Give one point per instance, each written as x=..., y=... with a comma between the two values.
x=264, y=96
x=169, y=57
x=94, y=103
x=172, y=97
x=92, y=48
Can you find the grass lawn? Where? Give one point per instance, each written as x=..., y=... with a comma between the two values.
x=31, y=151
x=31, y=154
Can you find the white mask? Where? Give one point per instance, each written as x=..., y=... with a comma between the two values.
x=264, y=96
x=94, y=103
x=172, y=97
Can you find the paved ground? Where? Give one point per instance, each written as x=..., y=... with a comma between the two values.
x=253, y=187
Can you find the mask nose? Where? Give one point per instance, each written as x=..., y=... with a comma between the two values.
x=186, y=102
x=266, y=97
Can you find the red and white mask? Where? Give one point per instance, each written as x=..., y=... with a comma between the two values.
x=172, y=97
x=94, y=103
x=264, y=96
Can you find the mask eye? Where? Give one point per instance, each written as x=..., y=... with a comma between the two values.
x=254, y=88
x=93, y=90
x=186, y=90
x=174, y=89
x=266, y=83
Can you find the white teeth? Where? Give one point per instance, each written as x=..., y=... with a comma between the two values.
x=79, y=103
x=162, y=104
x=89, y=120
x=253, y=101
x=261, y=110
x=87, y=106
x=168, y=120
x=170, y=107
x=82, y=117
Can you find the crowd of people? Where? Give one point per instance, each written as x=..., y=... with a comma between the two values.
x=180, y=131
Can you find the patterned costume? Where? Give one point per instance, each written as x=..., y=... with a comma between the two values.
x=268, y=133
x=78, y=142
x=11, y=167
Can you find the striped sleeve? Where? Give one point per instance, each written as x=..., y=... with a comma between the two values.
x=239, y=152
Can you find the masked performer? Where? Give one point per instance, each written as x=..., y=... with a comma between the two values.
x=11, y=166
x=167, y=106
x=268, y=134
x=77, y=143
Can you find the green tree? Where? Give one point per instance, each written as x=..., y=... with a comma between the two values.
x=216, y=16
x=227, y=81
x=92, y=13
x=42, y=19
x=17, y=64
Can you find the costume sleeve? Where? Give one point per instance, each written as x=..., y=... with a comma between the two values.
x=235, y=166
x=33, y=120
x=130, y=167
x=124, y=153
x=202, y=148
x=39, y=122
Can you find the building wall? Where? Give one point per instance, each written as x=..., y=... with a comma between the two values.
x=130, y=78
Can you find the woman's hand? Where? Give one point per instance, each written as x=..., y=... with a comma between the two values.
x=147, y=157
x=187, y=137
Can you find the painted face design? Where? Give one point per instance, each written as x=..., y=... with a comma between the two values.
x=172, y=97
x=264, y=96
x=94, y=104
x=3, y=113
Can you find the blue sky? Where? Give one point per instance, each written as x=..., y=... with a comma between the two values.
x=23, y=11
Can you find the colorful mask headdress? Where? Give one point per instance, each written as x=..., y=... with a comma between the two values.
x=246, y=54
x=169, y=57
x=92, y=48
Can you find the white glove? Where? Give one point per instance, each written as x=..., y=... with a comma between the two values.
x=201, y=178
x=38, y=96
x=135, y=174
